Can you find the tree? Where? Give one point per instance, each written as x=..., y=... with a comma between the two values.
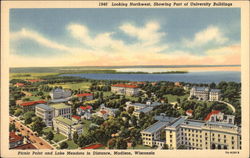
x=12, y=127
x=75, y=137
x=50, y=135
x=112, y=143
x=63, y=145
x=165, y=146
x=121, y=144
x=131, y=110
x=141, y=115
x=38, y=126
x=18, y=112
x=27, y=117
x=133, y=143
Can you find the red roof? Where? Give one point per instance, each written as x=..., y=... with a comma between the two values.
x=14, y=138
x=76, y=117
x=95, y=146
x=189, y=111
x=103, y=112
x=84, y=94
x=214, y=112
x=19, y=84
x=33, y=102
x=125, y=86
x=25, y=147
x=85, y=107
x=35, y=80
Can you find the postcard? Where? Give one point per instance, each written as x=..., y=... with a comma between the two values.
x=125, y=79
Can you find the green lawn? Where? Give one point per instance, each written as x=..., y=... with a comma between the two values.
x=140, y=147
x=106, y=94
x=173, y=98
x=86, y=125
x=71, y=144
x=75, y=86
x=132, y=98
x=57, y=137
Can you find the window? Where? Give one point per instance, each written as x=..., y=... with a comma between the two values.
x=225, y=141
x=206, y=134
x=225, y=136
x=213, y=134
x=218, y=135
x=218, y=140
x=232, y=137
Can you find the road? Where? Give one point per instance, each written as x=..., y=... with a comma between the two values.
x=25, y=131
x=228, y=104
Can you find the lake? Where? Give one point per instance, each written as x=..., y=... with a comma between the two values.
x=191, y=77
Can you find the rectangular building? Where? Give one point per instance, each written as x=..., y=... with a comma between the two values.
x=66, y=126
x=62, y=110
x=30, y=106
x=60, y=93
x=125, y=89
x=46, y=113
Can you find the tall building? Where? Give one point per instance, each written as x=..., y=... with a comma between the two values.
x=193, y=134
x=46, y=113
x=205, y=93
x=61, y=110
x=30, y=106
x=66, y=126
x=125, y=89
x=60, y=93
x=85, y=96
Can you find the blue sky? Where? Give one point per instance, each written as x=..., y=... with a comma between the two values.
x=163, y=36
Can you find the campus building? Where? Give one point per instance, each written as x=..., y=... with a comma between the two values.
x=66, y=126
x=205, y=93
x=125, y=89
x=192, y=134
x=139, y=107
x=85, y=96
x=61, y=110
x=46, y=113
x=60, y=93
x=15, y=140
x=30, y=106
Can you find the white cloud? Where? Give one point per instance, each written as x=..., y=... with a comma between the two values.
x=148, y=34
x=210, y=34
x=29, y=34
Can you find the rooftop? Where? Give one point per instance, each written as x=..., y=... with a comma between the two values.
x=58, y=100
x=84, y=94
x=33, y=103
x=137, y=104
x=145, y=110
x=125, y=85
x=221, y=124
x=215, y=90
x=165, y=118
x=195, y=123
x=201, y=88
x=214, y=112
x=85, y=107
x=45, y=107
x=14, y=138
x=155, y=127
x=178, y=121
x=64, y=120
x=76, y=117
x=95, y=146
x=60, y=106
x=25, y=146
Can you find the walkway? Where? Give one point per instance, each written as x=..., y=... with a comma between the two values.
x=228, y=104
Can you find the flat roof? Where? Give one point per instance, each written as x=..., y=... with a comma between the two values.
x=179, y=121
x=138, y=104
x=154, y=104
x=59, y=100
x=155, y=127
x=165, y=118
x=45, y=107
x=60, y=106
x=221, y=124
x=64, y=120
x=145, y=110
x=195, y=123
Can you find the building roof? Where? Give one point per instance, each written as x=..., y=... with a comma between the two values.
x=33, y=102
x=85, y=107
x=125, y=85
x=84, y=95
x=215, y=90
x=145, y=110
x=60, y=106
x=189, y=111
x=155, y=127
x=221, y=124
x=95, y=146
x=35, y=80
x=76, y=117
x=164, y=118
x=201, y=88
x=154, y=104
x=137, y=104
x=19, y=84
x=59, y=100
x=178, y=121
x=43, y=106
x=14, y=138
x=103, y=112
x=195, y=123
x=214, y=112
x=25, y=146
x=64, y=120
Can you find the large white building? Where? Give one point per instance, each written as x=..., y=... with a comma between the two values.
x=192, y=134
x=46, y=113
x=205, y=93
x=61, y=110
x=60, y=93
x=66, y=126
x=125, y=89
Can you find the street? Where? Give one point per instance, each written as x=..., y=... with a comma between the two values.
x=25, y=131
